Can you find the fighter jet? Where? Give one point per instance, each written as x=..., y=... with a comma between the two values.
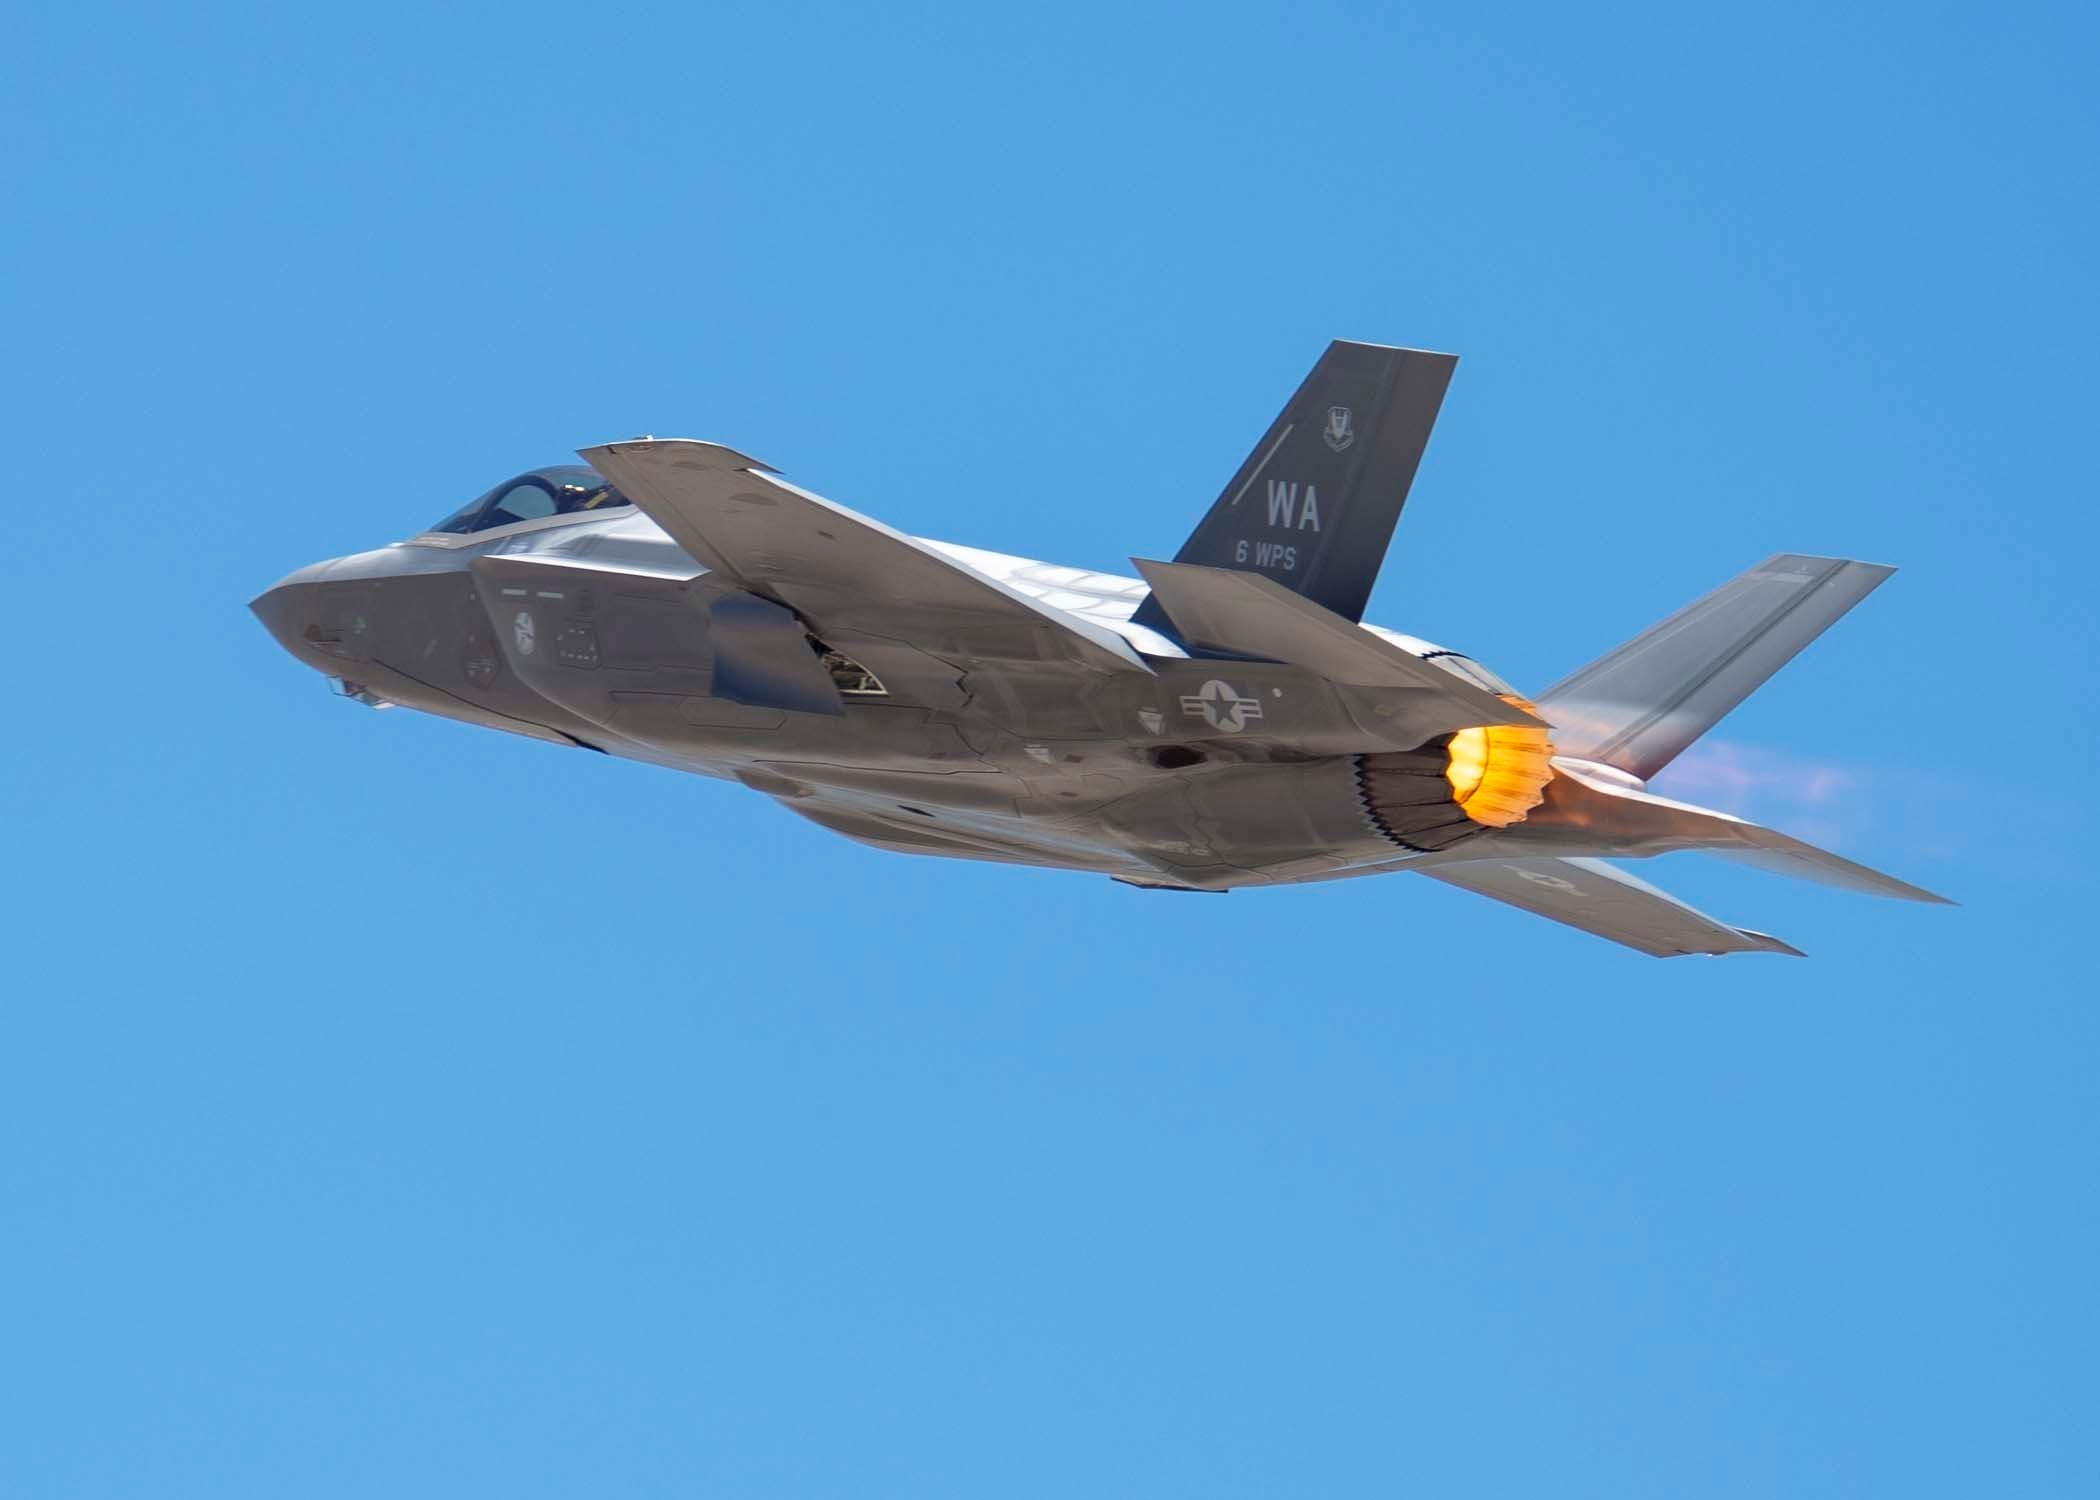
x=1223, y=720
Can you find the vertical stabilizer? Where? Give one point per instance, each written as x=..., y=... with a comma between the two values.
x=1314, y=504
x=1638, y=707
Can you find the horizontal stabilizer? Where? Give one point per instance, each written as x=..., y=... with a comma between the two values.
x=1776, y=852
x=1589, y=812
x=1638, y=707
x=1602, y=899
x=1245, y=614
x=839, y=570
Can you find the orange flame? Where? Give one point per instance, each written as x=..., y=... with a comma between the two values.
x=1498, y=772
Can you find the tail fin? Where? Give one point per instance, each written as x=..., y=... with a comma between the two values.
x=1638, y=707
x=1314, y=504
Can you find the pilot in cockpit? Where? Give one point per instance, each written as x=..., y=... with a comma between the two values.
x=561, y=490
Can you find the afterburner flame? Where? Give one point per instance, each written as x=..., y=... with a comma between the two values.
x=1498, y=772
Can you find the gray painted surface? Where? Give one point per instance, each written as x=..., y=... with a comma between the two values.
x=936, y=699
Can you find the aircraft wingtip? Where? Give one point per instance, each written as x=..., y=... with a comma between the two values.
x=1765, y=943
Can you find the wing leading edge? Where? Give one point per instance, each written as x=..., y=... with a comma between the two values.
x=837, y=568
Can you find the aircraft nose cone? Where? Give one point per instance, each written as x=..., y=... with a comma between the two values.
x=275, y=607
x=288, y=610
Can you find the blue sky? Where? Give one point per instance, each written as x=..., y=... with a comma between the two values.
x=388, y=1107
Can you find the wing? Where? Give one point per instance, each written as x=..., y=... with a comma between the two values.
x=839, y=570
x=1600, y=898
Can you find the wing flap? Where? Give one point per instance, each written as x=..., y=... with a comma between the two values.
x=1602, y=899
x=837, y=568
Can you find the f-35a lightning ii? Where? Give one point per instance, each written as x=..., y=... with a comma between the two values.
x=1224, y=722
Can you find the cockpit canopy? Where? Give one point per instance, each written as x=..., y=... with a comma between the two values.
x=561, y=490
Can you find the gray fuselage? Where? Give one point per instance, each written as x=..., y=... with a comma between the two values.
x=1201, y=774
